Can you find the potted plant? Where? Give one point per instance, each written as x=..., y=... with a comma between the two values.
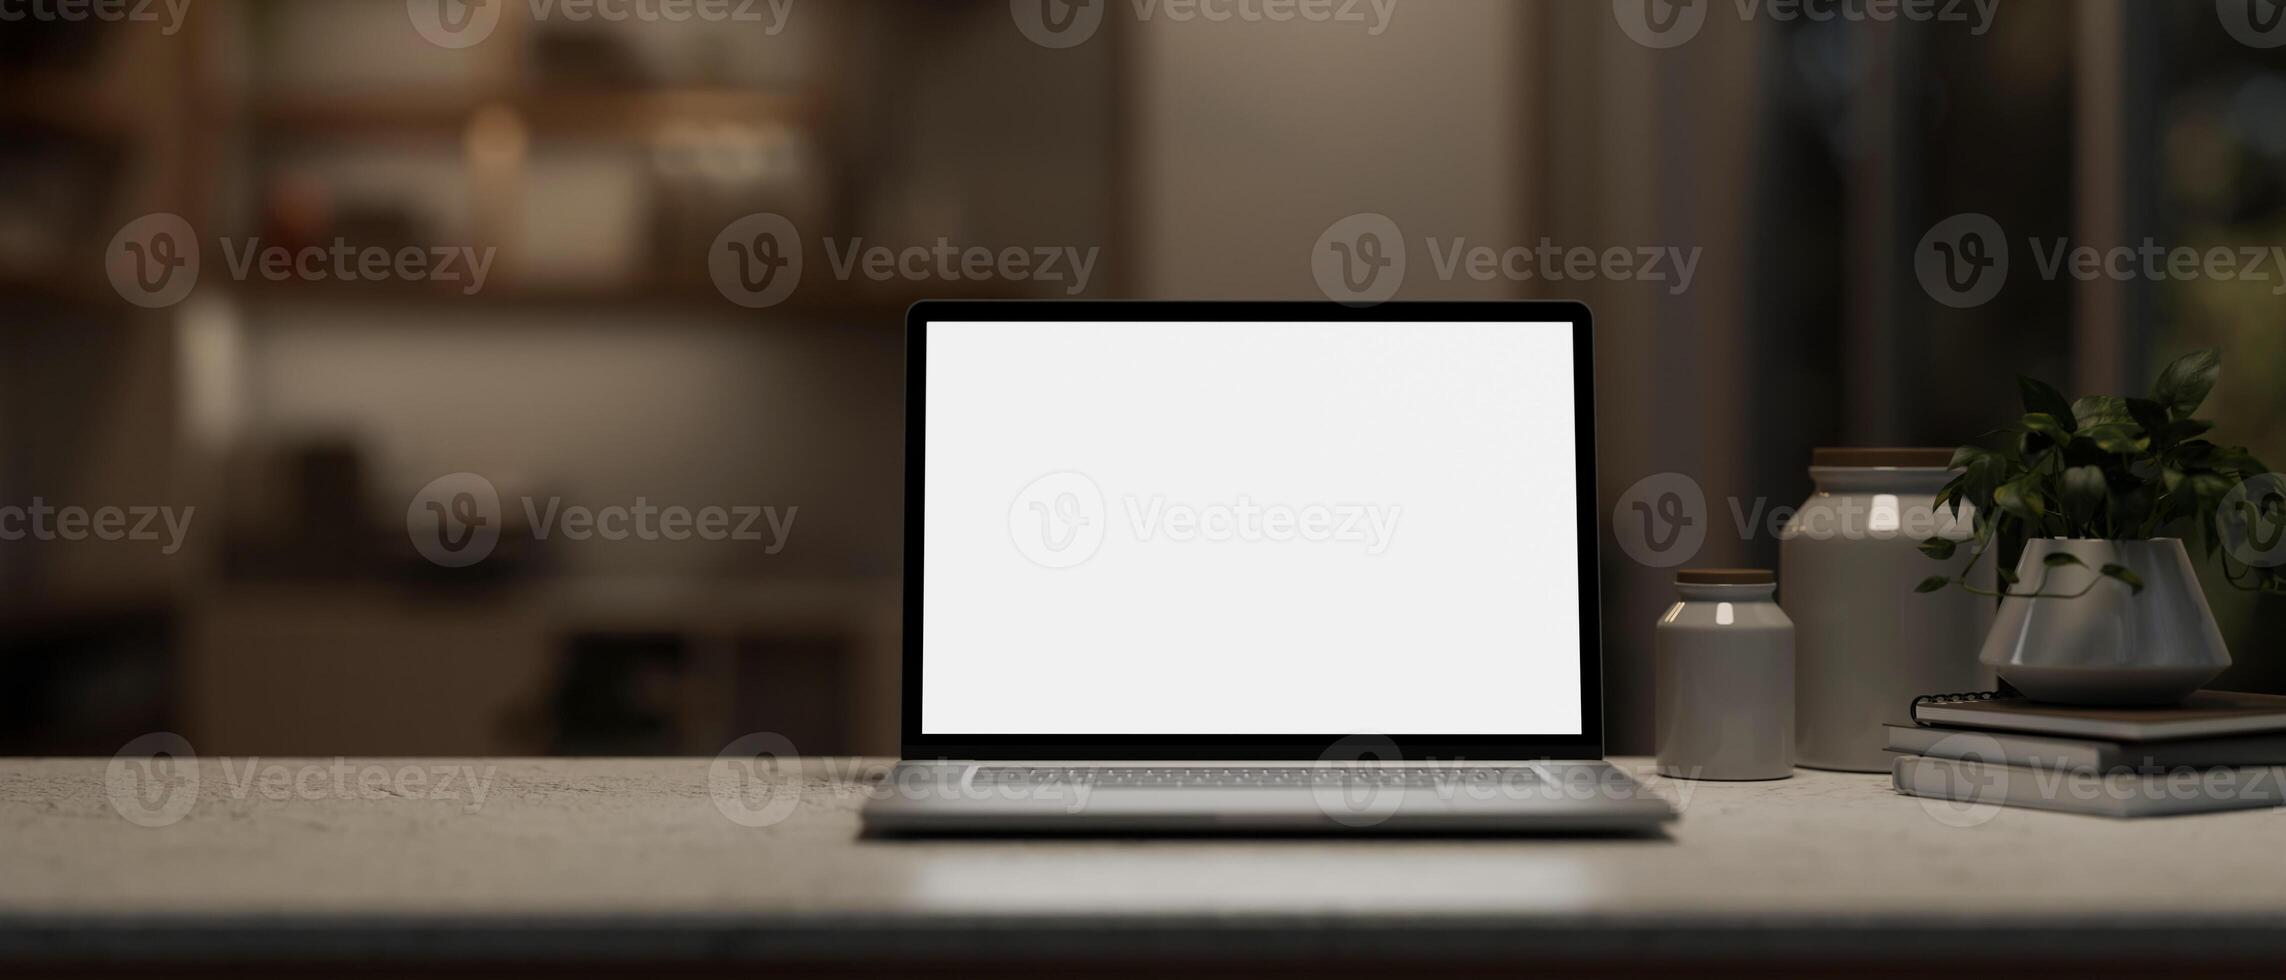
x=2099, y=493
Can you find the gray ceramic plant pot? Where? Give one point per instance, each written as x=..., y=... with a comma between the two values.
x=2110, y=646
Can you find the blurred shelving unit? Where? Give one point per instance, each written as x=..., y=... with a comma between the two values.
x=598, y=363
x=88, y=139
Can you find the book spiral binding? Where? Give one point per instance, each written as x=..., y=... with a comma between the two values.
x=1964, y=697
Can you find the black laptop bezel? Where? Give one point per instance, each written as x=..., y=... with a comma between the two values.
x=1587, y=744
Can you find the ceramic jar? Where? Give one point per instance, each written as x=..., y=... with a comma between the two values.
x=1865, y=643
x=1725, y=678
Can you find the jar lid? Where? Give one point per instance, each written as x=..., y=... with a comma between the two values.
x=1870, y=457
x=1725, y=576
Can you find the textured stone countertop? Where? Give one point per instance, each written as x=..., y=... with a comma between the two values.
x=300, y=858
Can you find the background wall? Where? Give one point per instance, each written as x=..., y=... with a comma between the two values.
x=1801, y=161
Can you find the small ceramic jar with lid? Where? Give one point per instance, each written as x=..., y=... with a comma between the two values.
x=1725, y=676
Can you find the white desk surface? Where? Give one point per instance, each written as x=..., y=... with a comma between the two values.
x=632, y=857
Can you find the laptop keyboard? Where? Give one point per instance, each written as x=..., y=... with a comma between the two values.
x=1216, y=777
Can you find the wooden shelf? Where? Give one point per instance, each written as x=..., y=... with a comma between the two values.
x=70, y=103
x=59, y=286
x=594, y=113
x=869, y=303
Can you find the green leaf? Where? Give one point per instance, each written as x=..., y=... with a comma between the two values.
x=2184, y=383
x=2149, y=414
x=2084, y=491
x=2042, y=423
x=2119, y=438
x=1966, y=456
x=2019, y=501
x=2180, y=430
x=2101, y=410
x=1939, y=548
x=2236, y=460
x=2045, y=400
x=2008, y=575
x=2062, y=558
x=2196, y=452
x=1933, y=583
x=2209, y=488
x=2120, y=572
x=1950, y=494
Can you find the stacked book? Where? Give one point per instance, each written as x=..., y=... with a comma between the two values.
x=2218, y=750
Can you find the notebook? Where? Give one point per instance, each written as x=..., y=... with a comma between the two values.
x=2204, y=714
x=2115, y=794
x=2086, y=754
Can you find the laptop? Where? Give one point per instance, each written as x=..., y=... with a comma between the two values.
x=1225, y=566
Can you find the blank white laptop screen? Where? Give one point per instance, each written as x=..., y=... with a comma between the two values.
x=1243, y=528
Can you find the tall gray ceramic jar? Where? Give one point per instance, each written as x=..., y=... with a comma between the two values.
x=1865, y=643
